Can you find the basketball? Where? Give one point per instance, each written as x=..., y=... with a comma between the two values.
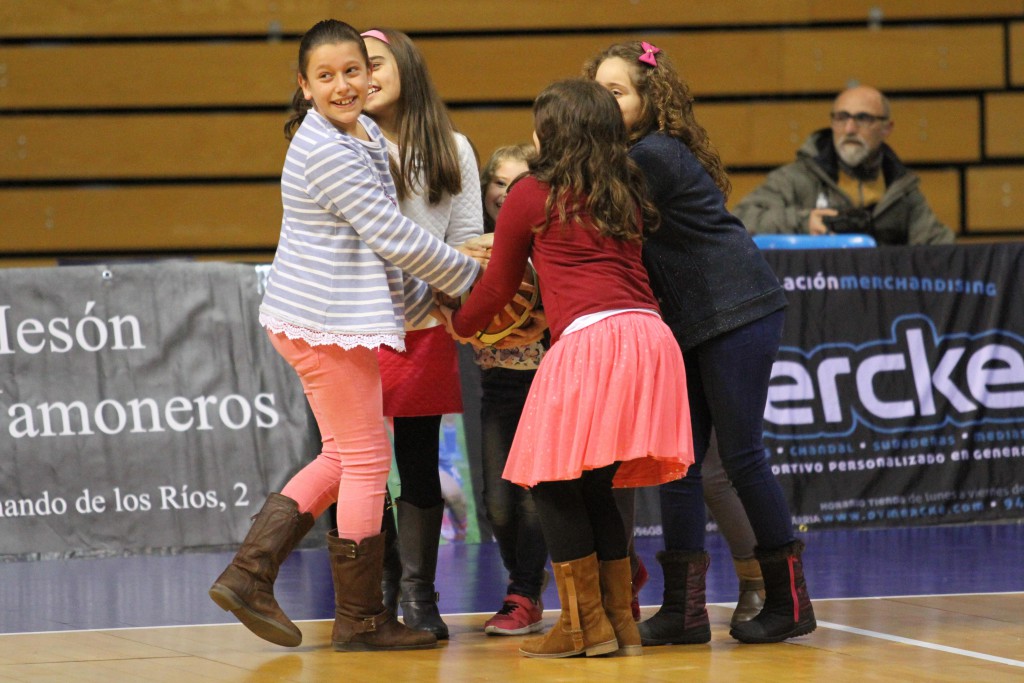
x=517, y=312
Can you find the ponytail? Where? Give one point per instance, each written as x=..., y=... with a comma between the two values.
x=300, y=105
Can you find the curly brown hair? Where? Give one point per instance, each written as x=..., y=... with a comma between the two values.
x=666, y=105
x=584, y=158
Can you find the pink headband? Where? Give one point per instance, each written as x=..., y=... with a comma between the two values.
x=649, y=51
x=374, y=33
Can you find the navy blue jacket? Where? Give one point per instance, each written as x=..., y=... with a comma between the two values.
x=706, y=272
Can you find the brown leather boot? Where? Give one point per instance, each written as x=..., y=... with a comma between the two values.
x=361, y=622
x=751, y=598
x=246, y=587
x=616, y=596
x=582, y=627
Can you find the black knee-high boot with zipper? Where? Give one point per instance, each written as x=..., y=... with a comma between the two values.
x=419, y=534
x=392, y=577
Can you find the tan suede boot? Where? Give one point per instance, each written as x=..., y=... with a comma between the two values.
x=751, y=598
x=582, y=627
x=361, y=621
x=616, y=595
x=246, y=587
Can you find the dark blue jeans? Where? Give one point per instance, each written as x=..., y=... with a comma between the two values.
x=727, y=382
x=510, y=508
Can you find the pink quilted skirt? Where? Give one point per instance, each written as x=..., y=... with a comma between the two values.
x=614, y=391
x=424, y=380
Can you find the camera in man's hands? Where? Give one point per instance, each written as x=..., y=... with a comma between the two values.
x=856, y=221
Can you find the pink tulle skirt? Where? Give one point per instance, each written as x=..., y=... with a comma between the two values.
x=614, y=391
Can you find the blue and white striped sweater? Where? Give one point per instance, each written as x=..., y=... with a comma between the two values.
x=349, y=267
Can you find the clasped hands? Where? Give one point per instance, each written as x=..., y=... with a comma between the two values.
x=530, y=331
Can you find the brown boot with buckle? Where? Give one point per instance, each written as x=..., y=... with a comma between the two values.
x=361, y=621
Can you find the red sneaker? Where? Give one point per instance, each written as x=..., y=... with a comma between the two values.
x=639, y=579
x=517, y=616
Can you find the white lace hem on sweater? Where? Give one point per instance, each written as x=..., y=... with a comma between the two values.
x=345, y=340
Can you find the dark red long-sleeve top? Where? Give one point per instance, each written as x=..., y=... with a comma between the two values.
x=580, y=271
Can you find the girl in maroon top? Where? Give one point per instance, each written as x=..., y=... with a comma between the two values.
x=608, y=404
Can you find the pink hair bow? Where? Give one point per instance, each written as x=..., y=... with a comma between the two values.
x=649, y=51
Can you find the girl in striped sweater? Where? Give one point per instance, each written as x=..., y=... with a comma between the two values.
x=348, y=272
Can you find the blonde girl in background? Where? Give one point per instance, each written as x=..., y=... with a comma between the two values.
x=506, y=375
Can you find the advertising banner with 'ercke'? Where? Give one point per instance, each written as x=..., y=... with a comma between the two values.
x=898, y=394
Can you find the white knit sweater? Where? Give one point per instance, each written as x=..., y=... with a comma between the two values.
x=455, y=218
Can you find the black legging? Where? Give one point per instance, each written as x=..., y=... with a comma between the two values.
x=579, y=517
x=416, y=454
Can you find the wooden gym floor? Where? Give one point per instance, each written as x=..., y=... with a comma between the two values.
x=916, y=604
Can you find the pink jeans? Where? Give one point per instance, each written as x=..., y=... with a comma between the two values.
x=343, y=388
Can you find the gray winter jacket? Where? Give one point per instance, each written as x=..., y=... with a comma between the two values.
x=783, y=202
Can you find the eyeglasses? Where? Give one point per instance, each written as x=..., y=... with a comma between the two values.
x=860, y=118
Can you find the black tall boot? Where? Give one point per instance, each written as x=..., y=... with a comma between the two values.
x=683, y=617
x=392, y=559
x=246, y=587
x=360, y=620
x=787, y=610
x=419, y=534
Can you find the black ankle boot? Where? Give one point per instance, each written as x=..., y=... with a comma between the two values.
x=419, y=534
x=683, y=617
x=787, y=610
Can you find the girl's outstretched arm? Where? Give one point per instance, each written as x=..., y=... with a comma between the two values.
x=342, y=183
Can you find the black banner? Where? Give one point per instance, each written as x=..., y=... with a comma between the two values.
x=141, y=408
x=898, y=394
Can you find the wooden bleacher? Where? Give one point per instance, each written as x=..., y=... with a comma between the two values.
x=143, y=128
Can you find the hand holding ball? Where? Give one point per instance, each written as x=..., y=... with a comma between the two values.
x=517, y=312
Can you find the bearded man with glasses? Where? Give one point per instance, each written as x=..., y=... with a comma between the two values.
x=846, y=179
